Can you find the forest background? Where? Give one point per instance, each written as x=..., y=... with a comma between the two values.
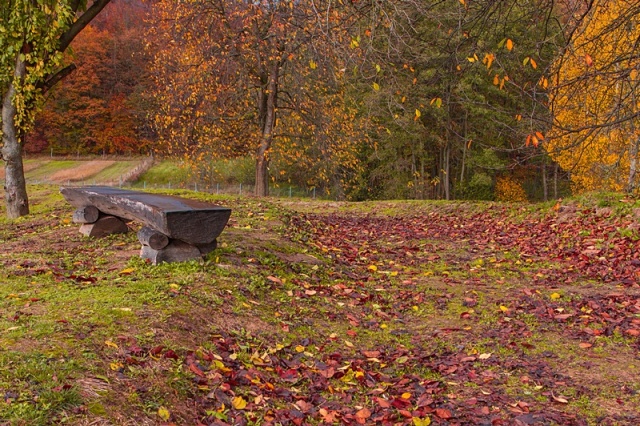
x=414, y=99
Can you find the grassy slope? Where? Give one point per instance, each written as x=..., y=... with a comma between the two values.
x=92, y=335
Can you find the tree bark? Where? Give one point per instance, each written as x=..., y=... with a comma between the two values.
x=262, y=155
x=545, y=186
x=633, y=164
x=16, y=199
x=555, y=181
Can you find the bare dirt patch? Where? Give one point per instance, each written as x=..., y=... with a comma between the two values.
x=82, y=172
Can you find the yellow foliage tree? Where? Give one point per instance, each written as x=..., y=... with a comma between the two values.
x=595, y=101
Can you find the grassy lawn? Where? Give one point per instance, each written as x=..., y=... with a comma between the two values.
x=314, y=312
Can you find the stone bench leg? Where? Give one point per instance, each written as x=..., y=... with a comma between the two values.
x=105, y=225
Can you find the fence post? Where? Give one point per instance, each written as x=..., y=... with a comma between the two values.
x=314, y=192
x=289, y=192
x=240, y=189
x=217, y=188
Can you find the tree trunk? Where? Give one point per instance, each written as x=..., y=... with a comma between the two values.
x=15, y=186
x=447, y=170
x=262, y=155
x=555, y=181
x=633, y=164
x=545, y=186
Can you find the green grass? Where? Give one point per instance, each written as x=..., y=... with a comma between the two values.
x=83, y=321
x=164, y=173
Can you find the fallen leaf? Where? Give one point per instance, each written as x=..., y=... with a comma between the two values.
x=164, y=414
x=559, y=399
x=443, y=413
x=239, y=403
x=363, y=415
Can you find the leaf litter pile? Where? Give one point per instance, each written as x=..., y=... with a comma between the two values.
x=483, y=315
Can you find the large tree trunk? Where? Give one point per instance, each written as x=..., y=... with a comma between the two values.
x=15, y=186
x=262, y=155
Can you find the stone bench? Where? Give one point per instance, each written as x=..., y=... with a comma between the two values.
x=174, y=229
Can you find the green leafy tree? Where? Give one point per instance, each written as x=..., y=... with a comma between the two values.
x=33, y=35
x=456, y=80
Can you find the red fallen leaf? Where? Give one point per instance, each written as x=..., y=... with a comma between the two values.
x=562, y=317
x=400, y=403
x=483, y=410
x=405, y=413
x=383, y=403
x=328, y=416
x=304, y=406
x=328, y=373
x=62, y=321
x=633, y=332
x=156, y=350
x=289, y=375
x=469, y=302
x=285, y=327
x=468, y=359
x=353, y=320
x=371, y=354
x=352, y=333
x=170, y=354
x=585, y=345
x=195, y=370
x=443, y=413
x=362, y=416
x=274, y=279
x=424, y=401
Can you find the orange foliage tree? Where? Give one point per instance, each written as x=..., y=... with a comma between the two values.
x=595, y=99
x=257, y=77
x=101, y=107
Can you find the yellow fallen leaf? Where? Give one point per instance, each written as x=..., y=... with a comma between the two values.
x=239, y=403
x=555, y=296
x=504, y=308
x=127, y=271
x=163, y=413
x=115, y=366
x=405, y=395
x=373, y=268
x=417, y=421
x=110, y=344
x=299, y=348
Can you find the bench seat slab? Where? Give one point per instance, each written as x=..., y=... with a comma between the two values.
x=191, y=221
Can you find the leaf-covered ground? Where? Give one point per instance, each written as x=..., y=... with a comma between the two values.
x=391, y=313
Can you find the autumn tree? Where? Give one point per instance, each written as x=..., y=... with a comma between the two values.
x=101, y=108
x=454, y=87
x=234, y=77
x=595, y=98
x=33, y=36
